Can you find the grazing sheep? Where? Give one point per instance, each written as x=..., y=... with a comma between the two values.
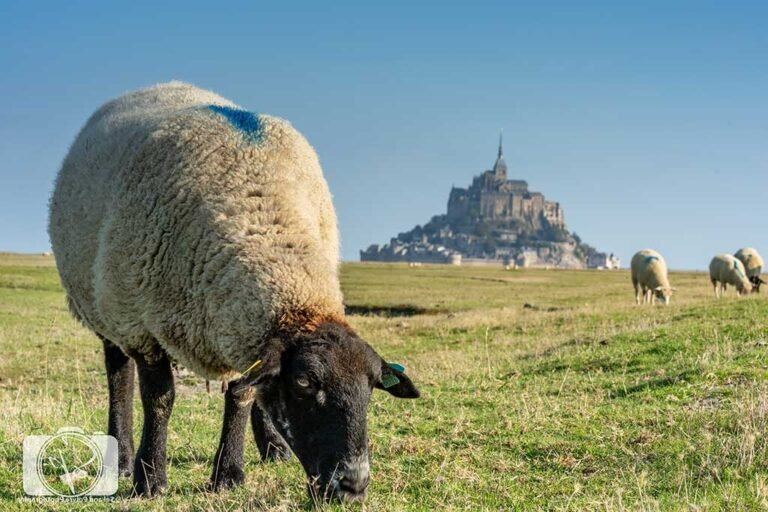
x=726, y=269
x=188, y=229
x=753, y=264
x=649, y=274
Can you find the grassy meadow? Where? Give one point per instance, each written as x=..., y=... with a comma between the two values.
x=542, y=390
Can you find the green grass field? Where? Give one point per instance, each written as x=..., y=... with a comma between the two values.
x=578, y=401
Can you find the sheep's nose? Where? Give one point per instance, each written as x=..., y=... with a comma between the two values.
x=352, y=490
x=357, y=470
x=353, y=480
x=350, y=482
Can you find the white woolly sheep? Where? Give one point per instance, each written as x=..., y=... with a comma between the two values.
x=188, y=229
x=753, y=264
x=726, y=269
x=649, y=275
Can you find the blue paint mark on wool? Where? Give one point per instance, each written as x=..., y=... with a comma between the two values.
x=649, y=259
x=738, y=270
x=246, y=122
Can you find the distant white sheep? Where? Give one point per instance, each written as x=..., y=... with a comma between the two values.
x=753, y=264
x=726, y=269
x=649, y=275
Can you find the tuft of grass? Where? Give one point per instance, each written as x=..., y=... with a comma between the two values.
x=541, y=390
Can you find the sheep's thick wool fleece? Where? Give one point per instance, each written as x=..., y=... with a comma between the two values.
x=649, y=269
x=180, y=221
x=753, y=262
x=728, y=269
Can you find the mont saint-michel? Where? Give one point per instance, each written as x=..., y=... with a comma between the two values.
x=494, y=220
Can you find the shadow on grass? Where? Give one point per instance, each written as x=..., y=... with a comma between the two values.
x=601, y=364
x=187, y=460
x=574, y=342
x=653, y=384
x=388, y=311
x=547, y=309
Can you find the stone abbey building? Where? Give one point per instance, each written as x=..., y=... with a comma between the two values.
x=495, y=220
x=492, y=197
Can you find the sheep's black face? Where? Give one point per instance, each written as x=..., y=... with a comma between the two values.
x=664, y=295
x=319, y=399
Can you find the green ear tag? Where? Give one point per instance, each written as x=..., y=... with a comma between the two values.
x=397, y=366
x=389, y=380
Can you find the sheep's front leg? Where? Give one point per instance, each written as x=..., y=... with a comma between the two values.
x=271, y=444
x=120, y=382
x=157, y=396
x=637, y=291
x=228, y=463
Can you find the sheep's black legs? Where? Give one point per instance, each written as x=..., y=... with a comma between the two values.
x=120, y=382
x=271, y=444
x=228, y=463
x=157, y=395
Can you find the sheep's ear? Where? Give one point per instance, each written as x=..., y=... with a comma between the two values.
x=395, y=382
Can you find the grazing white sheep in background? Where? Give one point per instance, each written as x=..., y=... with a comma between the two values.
x=649, y=275
x=186, y=228
x=726, y=269
x=753, y=264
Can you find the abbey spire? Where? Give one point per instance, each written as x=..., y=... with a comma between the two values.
x=500, y=167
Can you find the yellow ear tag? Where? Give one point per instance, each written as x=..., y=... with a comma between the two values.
x=252, y=367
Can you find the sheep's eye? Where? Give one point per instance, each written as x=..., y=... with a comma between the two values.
x=303, y=382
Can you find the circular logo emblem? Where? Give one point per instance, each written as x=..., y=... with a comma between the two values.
x=70, y=464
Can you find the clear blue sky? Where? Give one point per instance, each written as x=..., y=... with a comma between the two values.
x=647, y=120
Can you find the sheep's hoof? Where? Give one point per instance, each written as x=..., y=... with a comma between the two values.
x=226, y=478
x=149, y=488
x=275, y=453
x=125, y=467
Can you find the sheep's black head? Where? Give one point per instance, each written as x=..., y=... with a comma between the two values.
x=756, y=282
x=663, y=294
x=316, y=389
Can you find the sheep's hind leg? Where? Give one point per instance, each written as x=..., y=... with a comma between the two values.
x=228, y=463
x=120, y=382
x=271, y=444
x=157, y=396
